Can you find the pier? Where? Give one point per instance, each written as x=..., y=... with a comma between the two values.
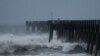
x=37, y=26
x=87, y=31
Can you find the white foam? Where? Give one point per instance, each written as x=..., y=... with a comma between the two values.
x=8, y=40
x=59, y=54
x=56, y=54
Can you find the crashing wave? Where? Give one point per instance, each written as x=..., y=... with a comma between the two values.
x=36, y=45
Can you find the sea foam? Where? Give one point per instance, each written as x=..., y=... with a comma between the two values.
x=10, y=43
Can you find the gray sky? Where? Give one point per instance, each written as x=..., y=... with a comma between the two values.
x=18, y=11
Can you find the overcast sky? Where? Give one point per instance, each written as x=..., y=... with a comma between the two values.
x=18, y=11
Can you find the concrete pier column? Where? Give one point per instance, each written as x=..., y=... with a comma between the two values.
x=27, y=23
x=97, y=44
x=50, y=33
x=92, y=42
x=88, y=42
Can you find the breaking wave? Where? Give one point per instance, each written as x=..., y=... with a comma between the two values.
x=37, y=45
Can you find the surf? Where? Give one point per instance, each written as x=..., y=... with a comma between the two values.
x=38, y=45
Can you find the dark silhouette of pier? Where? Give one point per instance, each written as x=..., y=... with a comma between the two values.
x=36, y=26
x=87, y=31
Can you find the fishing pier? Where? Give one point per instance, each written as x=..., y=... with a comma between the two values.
x=87, y=31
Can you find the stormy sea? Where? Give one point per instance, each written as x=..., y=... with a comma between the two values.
x=15, y=41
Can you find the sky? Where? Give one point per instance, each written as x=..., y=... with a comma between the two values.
x=18, y=11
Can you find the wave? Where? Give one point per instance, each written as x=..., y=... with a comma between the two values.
x=37, y=45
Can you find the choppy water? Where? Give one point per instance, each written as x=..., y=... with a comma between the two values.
x=23, y=44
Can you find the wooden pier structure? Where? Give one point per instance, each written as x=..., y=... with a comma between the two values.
x=87, y=31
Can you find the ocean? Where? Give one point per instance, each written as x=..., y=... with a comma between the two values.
x=15, y=41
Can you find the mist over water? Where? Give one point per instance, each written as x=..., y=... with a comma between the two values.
x=15, y=41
